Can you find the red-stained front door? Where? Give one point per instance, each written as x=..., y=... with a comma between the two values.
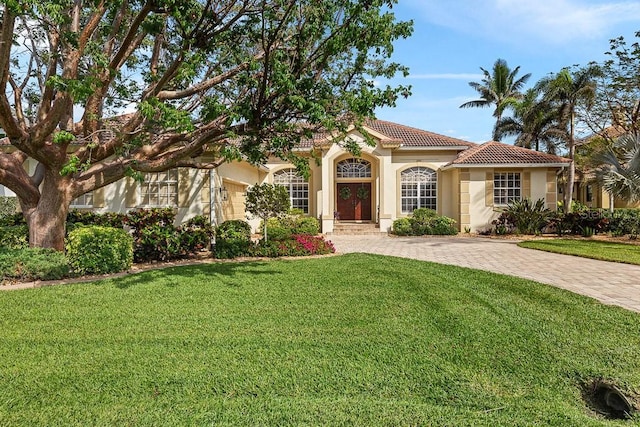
x=354, y=201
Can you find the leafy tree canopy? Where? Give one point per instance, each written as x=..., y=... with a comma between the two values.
x=232, y=78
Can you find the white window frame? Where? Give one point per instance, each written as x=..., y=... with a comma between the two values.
x=353, y=168
x=297, y=187
x=84, y=201
x=418, y=189
x=160, y=189
x=507, y=187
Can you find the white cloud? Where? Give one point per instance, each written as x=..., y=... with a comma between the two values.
x=552, y=22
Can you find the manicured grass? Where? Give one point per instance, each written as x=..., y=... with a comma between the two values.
x=347, y=340
x=596, y=249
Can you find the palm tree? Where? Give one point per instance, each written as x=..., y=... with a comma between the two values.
x=499, y=88
x=619, y=170
x=570, y=91
x=534, y=123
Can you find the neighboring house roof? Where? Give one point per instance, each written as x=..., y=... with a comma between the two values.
x=498, y=154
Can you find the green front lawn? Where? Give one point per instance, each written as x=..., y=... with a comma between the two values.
x=347, y=340
x=596, y=249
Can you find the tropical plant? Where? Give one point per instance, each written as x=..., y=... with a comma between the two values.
x=572, y=93
x=238, y=79
x=619, y=170
x=528, y=217
x=534, y=123
x=499, y=88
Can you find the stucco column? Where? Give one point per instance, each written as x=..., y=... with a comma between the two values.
x=327, y=193
x=388, y=199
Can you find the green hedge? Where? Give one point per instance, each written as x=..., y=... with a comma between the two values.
x=233, y=239
x=32, y=264
x=99, y=250
x=294, y=224
x=424, y=222
x=8, y=206
x=14, y=237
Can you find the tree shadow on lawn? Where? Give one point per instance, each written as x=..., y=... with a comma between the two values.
x=175, y=276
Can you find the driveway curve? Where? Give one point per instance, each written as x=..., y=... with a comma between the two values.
x=609, y=282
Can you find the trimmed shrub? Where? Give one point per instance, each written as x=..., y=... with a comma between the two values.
x=424, y=222
x=277, y=229
x=14, y=237
x=196, y=234
x=233, y=239
x=401, y=227
x=99, y=250
x=107, y=219
x=158, y=243
x=12, y=219
x=443, y=225
x=32, y=264
x=8, y=205
x=290, y=225
x=138, y=219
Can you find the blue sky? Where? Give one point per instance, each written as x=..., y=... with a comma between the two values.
x=453, y=38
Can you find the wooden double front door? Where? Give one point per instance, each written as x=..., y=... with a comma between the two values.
x=354, y=201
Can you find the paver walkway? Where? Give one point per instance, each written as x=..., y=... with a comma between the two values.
x=609, y=282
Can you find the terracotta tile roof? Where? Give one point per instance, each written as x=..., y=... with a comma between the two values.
x=497, y=153
x=406, y=136
x=412, y=137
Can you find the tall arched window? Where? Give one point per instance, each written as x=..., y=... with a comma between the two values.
x=353, y=168
x=418, y=189
x=296, y=186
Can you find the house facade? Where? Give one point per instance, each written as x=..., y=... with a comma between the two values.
x=405, y=168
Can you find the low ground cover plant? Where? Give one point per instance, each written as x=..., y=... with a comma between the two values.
x=26, y=264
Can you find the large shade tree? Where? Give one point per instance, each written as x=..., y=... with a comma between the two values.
x=500, y=87
x=237, y=78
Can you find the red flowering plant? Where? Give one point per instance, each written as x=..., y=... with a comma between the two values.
x=297, y=245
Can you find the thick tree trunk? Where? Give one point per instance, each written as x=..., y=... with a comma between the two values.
x=47, y=220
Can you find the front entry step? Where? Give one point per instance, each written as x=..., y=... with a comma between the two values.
x=355, y=228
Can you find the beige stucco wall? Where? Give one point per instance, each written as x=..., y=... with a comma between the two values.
x=124, y=195
x=537, y=183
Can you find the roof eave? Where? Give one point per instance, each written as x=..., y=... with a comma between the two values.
x=505, y=165
x=434, y=147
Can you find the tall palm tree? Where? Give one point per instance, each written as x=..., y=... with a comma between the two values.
x=534, y=123
x=499, y=87
x=570, y=91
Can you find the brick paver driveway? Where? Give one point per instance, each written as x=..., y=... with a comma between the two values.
x=611, y=283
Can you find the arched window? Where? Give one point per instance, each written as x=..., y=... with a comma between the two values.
x=418, y=189
x=296, y=186
x=353, y=168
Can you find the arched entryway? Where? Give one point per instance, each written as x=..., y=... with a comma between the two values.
x=354, y=185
